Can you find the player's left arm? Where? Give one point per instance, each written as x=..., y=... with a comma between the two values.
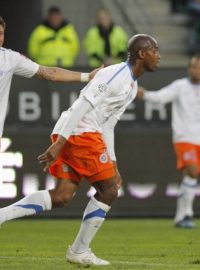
x=63, y=75
x=108, y=133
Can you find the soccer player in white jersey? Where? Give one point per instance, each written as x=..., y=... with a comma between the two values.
x=83, y=146
x=184, y=94
x=12, y=62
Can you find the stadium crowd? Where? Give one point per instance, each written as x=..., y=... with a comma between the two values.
x=55, y=42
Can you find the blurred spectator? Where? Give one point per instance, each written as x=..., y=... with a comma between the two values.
x=178, y=5
x=105, y=42
x=54, y=42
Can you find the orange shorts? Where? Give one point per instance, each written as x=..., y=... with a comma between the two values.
x=187, y=154
x=83, y=155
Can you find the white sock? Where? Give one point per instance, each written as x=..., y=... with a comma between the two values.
x=186, y=198
x=30, y=205
x=93, y=218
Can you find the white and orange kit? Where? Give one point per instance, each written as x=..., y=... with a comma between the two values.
x=11, y=63
x=185, y=98
x=90, y=147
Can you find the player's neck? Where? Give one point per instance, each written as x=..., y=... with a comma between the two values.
x=137, y=70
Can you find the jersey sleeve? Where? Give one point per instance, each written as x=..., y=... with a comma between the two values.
x=24, y=66
x=101, y=86
x=97, y=90
x=164, y=95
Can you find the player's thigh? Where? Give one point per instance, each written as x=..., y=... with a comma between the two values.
x=107, y=190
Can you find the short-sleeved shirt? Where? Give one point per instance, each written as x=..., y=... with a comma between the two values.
x=110, y=92
x=12, y=62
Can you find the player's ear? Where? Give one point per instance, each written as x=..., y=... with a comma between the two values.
x=141, y=54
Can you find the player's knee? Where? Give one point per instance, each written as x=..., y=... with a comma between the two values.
x=61, y=199
x=109, y=195
x=191, y=171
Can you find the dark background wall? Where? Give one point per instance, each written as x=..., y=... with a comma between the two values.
x=21, y=17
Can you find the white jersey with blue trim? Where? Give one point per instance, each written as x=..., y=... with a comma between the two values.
x=110, y=92
x=185, y=98
x=12, y=62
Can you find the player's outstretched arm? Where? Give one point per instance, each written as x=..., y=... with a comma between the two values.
x=63, y=75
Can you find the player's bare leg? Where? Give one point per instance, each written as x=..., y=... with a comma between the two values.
x=40, y=201
x=63, y=192
x=93, y=218
x=184, y=211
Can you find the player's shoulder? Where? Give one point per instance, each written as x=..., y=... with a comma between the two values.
x=180, y=82
x=8, y=52
x=116, y=68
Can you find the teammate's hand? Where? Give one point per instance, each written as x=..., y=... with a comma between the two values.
x=50, y=155
x=140, y=92
x=93, y=72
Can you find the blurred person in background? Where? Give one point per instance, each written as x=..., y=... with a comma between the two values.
x=13, y=63
x=184, y=94
x=54, y=42
x=105, y=42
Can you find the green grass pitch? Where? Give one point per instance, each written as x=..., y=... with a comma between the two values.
x=128, y=244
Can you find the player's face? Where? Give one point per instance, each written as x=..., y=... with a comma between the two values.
x=194, y=70
x=1, y=35
x=152, y=58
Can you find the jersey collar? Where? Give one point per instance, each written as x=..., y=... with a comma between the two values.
x=132, y=75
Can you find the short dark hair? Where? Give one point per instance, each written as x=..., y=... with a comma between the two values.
x=139, y=42
x=2, y=22
x=54, y=9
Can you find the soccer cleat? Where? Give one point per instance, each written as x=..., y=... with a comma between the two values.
x=187, y=223
x=85, y=258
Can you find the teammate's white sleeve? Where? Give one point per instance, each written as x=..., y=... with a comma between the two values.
x=165, y=95
x=108, y=134
x=24, y=67
x=65, y=125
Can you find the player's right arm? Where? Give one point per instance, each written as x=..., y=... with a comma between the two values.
x=165, y=95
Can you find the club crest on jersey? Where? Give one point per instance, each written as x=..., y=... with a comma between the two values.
x=103, y=158
x=189, y=155
x=102, y=87
x=132, y=84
